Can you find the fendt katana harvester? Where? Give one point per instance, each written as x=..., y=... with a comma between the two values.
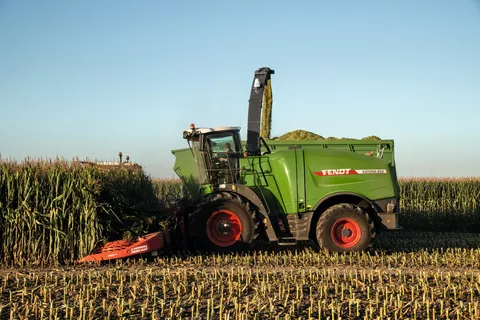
x=336, y=193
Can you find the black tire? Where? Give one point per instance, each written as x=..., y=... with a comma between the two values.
x=203, y=227
x=344, y=228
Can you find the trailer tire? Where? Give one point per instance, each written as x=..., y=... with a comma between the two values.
x=344, y=228
x=223, y=222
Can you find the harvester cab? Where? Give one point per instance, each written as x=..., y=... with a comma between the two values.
x=216, y=152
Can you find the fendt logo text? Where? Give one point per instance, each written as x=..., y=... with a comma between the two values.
x=333, y=172
x=337, y=172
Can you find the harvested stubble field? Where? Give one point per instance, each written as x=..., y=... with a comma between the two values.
x=50, y=213
x=390, y=283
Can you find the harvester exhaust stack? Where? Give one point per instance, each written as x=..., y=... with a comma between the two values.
x=262, y=75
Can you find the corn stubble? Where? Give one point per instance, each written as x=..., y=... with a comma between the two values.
x=288, y=284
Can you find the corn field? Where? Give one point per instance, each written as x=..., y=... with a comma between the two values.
x=53, y=211
x=440, y=204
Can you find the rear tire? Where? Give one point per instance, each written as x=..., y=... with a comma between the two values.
x=344, y=228
x=223, y=222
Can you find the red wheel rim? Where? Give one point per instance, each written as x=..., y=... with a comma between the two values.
x=346, y=233
x=224, y=228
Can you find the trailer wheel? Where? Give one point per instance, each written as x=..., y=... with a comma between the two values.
x=223, y=222
x=344, y=227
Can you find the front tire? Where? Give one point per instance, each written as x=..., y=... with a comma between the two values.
x=344, y=228
x=223, y=222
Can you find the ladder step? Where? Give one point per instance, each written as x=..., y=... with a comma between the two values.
x=287, y=241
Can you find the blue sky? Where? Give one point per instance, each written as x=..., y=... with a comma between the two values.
x=92, y=78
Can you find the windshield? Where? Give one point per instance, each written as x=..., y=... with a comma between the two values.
x=222, y=156
x=220, y=142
